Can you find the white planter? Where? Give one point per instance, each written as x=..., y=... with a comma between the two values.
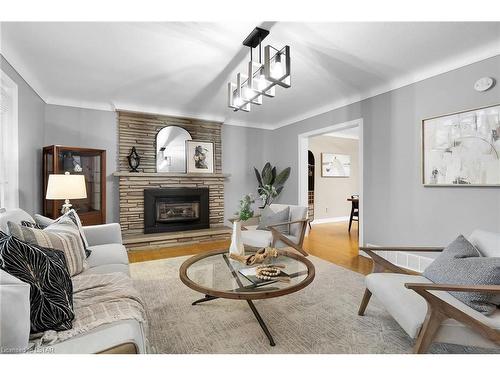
x=236, y=247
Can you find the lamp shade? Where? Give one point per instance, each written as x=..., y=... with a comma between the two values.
x=66, y=186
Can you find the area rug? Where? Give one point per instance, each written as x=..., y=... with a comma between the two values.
x=322, y=318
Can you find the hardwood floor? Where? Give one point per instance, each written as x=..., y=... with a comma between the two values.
x=175, y=251
x=334, y=243
x=331, y=242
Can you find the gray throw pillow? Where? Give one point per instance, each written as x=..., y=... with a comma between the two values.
x=461, y=263
x=269, y=217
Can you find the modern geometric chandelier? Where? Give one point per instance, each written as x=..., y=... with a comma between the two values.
x=261, y=78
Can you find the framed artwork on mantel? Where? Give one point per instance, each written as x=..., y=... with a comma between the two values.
x=199, y=157
x=462, y=149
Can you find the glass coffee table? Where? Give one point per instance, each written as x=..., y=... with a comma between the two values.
x=216, y=275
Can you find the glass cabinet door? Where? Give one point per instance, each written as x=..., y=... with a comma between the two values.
x=48, y=169
x=87, y=163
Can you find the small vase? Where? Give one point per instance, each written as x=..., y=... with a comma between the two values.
x=236, y=247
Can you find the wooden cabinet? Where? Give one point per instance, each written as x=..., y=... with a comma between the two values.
x=75, y=160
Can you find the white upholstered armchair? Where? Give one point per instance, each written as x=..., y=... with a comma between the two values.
x=425, y=310
x=297, y=225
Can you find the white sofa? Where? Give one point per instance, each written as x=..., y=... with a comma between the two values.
x=426, y=311
x=108, y=255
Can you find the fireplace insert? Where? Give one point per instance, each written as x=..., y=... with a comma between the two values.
x=175, y=209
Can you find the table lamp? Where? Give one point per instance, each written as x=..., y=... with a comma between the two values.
x=66, y=186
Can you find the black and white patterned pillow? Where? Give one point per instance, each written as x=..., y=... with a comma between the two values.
x=29, y=224
x=51, y=289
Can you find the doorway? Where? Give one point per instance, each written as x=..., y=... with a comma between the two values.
x=333, y=174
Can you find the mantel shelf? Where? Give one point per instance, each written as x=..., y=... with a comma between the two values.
x=176, y=175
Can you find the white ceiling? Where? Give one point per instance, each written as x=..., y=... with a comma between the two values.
x=183, y=68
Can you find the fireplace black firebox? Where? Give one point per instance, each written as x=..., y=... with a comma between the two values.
x=175, y=209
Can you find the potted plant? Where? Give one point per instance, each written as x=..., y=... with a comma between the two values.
x=270, y=182
x=244, y=213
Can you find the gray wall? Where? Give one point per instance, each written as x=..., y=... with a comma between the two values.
x=330, y=194
x=397, y=208
x=79, y=127
x=242, y=149
x=31, y=110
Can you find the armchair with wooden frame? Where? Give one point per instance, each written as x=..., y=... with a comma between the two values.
x=296, y=224
x=426, y=311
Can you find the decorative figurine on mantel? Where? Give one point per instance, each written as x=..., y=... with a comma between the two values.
x=134, y=160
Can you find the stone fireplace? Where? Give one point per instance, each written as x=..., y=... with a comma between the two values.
x=164, y=209
x=174, y=209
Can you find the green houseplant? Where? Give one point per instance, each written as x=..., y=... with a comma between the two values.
x=271, y=183
x=245, y=212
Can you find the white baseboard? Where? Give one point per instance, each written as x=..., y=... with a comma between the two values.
x=330, y=220
x=403, y=259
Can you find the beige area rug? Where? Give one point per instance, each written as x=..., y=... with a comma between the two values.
x=322, y=318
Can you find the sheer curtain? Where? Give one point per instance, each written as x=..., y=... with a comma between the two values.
x=9, y=192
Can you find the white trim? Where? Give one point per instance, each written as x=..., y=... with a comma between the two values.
x=12, y=140
x=303, y=146
x=149, y=109
x=330, y=220
x=453, y=63
x=469, y=58
x=405, y=259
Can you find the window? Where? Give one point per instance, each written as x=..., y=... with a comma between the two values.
x=9, y=163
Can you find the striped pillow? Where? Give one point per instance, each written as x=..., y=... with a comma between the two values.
x=76, y=220
x=63, y=235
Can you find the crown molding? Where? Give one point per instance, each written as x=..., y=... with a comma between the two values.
x=242, y=124
x=470, y=57
x=113, y=107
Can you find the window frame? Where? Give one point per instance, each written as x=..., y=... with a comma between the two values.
x=9, y=147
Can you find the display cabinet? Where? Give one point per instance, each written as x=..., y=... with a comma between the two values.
x=75, y=160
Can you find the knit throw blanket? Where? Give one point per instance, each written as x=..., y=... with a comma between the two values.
x=97, y=300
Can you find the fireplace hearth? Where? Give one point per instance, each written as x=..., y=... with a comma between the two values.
x=175, y=209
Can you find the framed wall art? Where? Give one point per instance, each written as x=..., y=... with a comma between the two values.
x=462, y=149
x=199, y=157
x=335, y=165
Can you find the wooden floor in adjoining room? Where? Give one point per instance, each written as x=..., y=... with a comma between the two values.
x=331, y=242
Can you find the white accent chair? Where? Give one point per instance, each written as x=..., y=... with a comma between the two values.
x=108, y=255
x=426, y=311
x=297, y=224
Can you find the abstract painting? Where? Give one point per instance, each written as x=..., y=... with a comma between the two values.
x=335, y=165
x=200, y=157
x=462, y=149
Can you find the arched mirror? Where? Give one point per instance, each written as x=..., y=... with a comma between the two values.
x=171, y=149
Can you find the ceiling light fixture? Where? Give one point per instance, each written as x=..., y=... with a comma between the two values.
x=261, y=78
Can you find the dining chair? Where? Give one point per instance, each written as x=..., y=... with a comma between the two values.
x=354, y=210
